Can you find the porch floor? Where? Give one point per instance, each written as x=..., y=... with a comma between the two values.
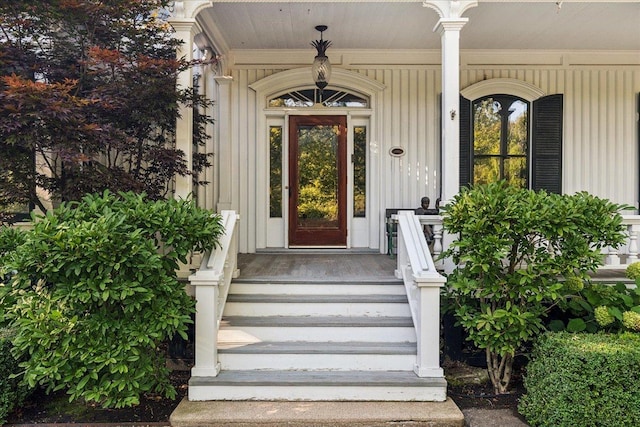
x=336, y=265
x=317, y=266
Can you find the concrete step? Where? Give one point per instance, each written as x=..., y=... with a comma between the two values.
x=316, y=305
x=296, y=287
x=318, y=356
x=317, y=414
x=318, y=328
x=318, y=386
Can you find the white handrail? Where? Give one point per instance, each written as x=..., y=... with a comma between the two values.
x=211, y=283
x=422, y=284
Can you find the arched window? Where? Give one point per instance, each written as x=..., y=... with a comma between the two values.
x=511, y=130
x=501, y=140
x=310, y=97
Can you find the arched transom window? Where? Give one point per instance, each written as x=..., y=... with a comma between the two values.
x=312, y=96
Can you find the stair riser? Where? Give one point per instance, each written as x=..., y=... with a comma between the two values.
x=318, y=362
x=336, y=334
x=319, y=393
x=315, y=289
x=317, y=309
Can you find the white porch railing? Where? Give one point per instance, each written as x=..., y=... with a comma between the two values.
x=628, y=253
x=614, y=259
x=422, y=283
x=211, y=283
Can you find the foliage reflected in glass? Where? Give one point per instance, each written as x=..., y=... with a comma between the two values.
x=275, y=171
x=360, y=171
x=318, y=176
x=500, y=140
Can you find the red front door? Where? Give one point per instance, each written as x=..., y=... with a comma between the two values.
x=318, y=181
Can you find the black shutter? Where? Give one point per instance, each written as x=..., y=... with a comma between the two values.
x=466, y=132
x=546, y=161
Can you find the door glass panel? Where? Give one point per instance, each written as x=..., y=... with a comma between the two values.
x=317, y=164
x=359, y=171
x=275, y=171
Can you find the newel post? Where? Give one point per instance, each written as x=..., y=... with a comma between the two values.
x=207, y=286
x=428, y=360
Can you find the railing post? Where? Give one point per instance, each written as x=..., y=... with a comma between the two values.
x=206, y=284
x=428, y=360
x=211, y=283
x=632, y=255
x=437, y=244
x=613, y=257
x=422, y=283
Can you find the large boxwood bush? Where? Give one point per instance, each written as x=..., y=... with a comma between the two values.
x=583, y=380
x=93, y=293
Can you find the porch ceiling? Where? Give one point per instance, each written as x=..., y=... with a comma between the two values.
x=406, y=24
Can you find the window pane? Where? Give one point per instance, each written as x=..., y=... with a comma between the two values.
x=486, y=170
x=359, y=171
x=518, y=125
x=486, y=126
x=515, y=171
x=309, y=97
x=275, y=173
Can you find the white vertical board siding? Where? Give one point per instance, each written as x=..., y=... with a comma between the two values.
x=600, y=132
x=600, y=124
x=243, y=141
x=411, y=121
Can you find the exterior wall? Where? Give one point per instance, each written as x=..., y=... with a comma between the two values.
x=601, y=113
x=600, y=127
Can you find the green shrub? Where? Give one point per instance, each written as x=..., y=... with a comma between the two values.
x=583, y=380
x=633, y=271
x=12, y=393
x=95, y=294
x=512, y=249
x=10, y=239
x=599, y=307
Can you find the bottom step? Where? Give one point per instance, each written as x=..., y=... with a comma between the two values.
x=325, y=414
x=398, y=386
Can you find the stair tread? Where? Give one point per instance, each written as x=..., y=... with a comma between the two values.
x=306, y=347
x=318, y=378
x=317, y=321
x=313, y=299
x=303, y=281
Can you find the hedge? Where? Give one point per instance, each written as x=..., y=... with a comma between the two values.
x=583, y=380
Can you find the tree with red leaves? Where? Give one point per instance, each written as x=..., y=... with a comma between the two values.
x=88, y=100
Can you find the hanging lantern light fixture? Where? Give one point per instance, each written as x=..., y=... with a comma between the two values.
x=321, y=68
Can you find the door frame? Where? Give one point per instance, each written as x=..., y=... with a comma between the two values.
x=299, y=236
x=271, y=232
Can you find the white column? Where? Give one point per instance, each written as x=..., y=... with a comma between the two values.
x=224, y=155
x=449, y=26
x=185, y=30
x=449, y=30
